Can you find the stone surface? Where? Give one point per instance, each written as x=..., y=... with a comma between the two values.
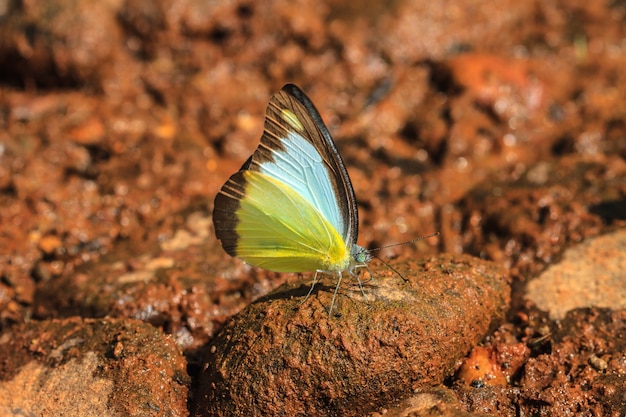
x=577, y=363
x=279, y=356
x=590, y=274
x=499, y=125
x=435, y=402
x=79, y=367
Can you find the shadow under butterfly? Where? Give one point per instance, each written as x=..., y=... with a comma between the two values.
x=291, y=206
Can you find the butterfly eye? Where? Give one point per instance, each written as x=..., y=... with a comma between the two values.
x=290, y=117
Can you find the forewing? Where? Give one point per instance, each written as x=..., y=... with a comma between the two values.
x=297, y=149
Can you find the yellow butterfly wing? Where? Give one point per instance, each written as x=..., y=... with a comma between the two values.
x=267, y=224
x=291, y=206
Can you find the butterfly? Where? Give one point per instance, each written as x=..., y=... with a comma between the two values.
x=291, y=207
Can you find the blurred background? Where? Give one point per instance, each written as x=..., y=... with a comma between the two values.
x=499, y=124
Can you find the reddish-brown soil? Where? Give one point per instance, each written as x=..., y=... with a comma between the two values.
x=501, y=125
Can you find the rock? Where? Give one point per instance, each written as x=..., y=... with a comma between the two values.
x=81, y=367
x=436, y=402
x=591, y=273
x=285, y=356
x=580, y=364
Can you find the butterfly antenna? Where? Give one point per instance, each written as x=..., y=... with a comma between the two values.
x=391, y=267
x=398, y=244
x=404, y=243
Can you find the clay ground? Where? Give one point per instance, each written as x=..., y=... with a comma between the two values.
x=501, y=125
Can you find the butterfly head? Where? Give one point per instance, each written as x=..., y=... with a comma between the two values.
x=360, y=255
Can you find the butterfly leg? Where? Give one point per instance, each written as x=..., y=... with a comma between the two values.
x=355, y=275
x=311, y=289
x=332, y=303
x=369, y=272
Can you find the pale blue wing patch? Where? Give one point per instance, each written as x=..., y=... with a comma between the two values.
x=302, y=168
